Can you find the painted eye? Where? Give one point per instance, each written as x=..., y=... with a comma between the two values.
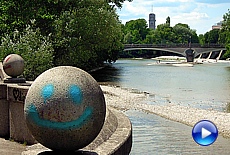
x=47, y=91
x=75, y=94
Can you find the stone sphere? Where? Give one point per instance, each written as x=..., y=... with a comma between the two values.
x=13, y=65
x=65, y=108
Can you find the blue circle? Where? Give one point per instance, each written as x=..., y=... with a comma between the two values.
x=75, y=94
x=205, y=133
x=47, y=91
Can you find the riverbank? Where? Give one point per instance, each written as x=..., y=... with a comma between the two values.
x=131, y=102
x=125, y=99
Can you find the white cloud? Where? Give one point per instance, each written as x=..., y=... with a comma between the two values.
x=213, y=1
x=199, y=14
x=192, y=16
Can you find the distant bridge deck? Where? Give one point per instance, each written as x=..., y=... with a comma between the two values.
x=176, y=48
x=193, y=45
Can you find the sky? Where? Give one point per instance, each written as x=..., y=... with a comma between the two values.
x=200, y=15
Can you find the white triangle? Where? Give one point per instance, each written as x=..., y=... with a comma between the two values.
x=205, y=133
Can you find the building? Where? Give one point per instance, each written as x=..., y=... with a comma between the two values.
x=152, y=21
x=217, y=25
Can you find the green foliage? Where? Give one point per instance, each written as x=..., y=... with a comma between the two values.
x=165, y=34
x=227, y=54
x=87, y=36
x=201, y=39
x=183, y=34
x=36, y=50
x=151, y=38
x=225, y=33
x=84, y=33
x=212, y=36
x=137, y=32
x=128, y=38
x=16, y=14
x=118, y=3
x=194, y=37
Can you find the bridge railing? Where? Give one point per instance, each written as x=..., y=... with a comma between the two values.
x=154, y=45
x=193, y=45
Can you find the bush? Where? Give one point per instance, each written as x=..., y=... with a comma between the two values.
x=227, y=54
x=85, y=37
x=35, y=49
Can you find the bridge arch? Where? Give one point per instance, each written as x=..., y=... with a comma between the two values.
x=202, y=51
x=189, y=51
x=157, y=49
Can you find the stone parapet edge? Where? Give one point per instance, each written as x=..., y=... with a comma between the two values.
x=120, y=142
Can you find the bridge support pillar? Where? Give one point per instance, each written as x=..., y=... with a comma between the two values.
x=209, y=56
x=219, y=56
x=190, y=55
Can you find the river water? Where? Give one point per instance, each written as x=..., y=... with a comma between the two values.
x=204, y=86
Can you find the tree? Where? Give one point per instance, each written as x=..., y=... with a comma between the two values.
x=183, y=33
x=84, y=33
x=118, y=3
x=168, y=20
x=164, y=34
x=128, y=38
x=16, y=14
x=87, y=36
x=151, y=38
x=36, y=50
x=225, y=33
x=138, y=29
x=201, y=39
x=226, y=27
x=212, y=36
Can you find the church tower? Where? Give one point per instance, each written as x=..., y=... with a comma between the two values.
x=152, y=21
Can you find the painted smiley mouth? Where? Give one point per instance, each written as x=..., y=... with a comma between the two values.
x=34, y=116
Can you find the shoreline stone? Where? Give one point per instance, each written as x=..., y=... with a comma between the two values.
x=127, y=100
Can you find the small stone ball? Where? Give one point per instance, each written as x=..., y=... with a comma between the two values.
x=13, y=65
x=65, y=108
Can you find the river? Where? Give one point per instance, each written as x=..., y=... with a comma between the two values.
x=204, y=86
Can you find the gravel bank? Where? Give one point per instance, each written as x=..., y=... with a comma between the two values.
x=125, y=99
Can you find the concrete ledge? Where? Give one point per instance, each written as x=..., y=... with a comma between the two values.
x=120, y=142
x=115, y=138
x=19, y=132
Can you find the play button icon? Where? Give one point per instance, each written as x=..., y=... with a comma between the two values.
x=205, y=133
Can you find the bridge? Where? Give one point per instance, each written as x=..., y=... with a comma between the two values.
x=190, y=51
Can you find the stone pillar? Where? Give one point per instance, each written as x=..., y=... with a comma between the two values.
x=190, y=55
x=219, y=56
x=209, y=56
x=4, y=112
x=18, y=128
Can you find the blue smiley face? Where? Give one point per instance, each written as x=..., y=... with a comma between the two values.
x=75, y=95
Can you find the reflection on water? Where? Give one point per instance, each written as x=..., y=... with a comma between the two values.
x=155, y=135
x=205, y=86
x=108, y=74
